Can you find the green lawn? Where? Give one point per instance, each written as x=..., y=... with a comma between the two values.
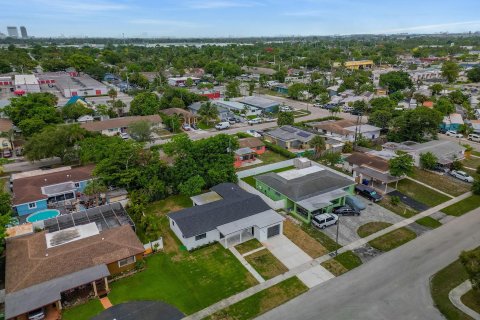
x=393, y=239
x=321, y=237
x=268, y=157
x=189, y=281
x=372, y=227
x=248, y=246
x=262, y=301
x=401, y=208
x=204, y=126
x=420, y=193
x=266, y=264
x=473, y=162
x=462, y=207
x=442, y=283
x=84, y=311
x=476, y=153
x=429, y=222
x=342, y=263
x=472, y=300
x=251, y=181
x=443, y=183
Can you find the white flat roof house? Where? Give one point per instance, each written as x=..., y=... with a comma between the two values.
x=27, y=82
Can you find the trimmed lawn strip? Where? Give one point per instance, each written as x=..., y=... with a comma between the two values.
x=462, y=207
x=248, y=246
x=393, y=239
x=441, y=182
x=473, y=162
x=401, y=208
x=472, y=300
x=476, y=153
x=262, y=301
x=190, y=281
x=83, y=311
x=420, y=193
x=440, y=286
x=429, y=222
x=266, y=264
x=251, y=181
x=342, y=263
x=372, y=227
x=303, y=240
x=321, y=237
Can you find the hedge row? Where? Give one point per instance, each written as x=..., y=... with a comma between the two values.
x=279, y=150
x=302, y=123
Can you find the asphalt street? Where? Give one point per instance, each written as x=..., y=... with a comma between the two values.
x=393, y=286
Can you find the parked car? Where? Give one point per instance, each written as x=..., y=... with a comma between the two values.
x=346, y=211
x=462, y=175
x=222, y=125
x=443, y=130
x=254, y=133
x=186, y=127
x=254, y=121
x=440, y=168
x=474, y=137
x=37, y=314
x=356, y=112
x=355, y=203
x=194, y=126
x=318, y=105
x=285, y=108
x=454, y=134
x=347, y=109
x=124, y=136
x=232, y=120
x=321, y=221
x=7, y=153
x=368, y=192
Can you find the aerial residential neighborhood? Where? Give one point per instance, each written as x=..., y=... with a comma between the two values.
x=235, y=160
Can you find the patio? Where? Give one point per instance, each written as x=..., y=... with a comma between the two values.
x=376, y=179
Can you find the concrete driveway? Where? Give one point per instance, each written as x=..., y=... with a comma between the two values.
x=349, y=225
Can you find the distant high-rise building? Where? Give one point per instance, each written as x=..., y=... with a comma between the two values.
x=12, y=32
x=23, y=32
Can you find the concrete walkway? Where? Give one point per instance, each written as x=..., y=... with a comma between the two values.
x=253, y=251
x=286, y=251
x=430, y=187
x=455, y=297
x=105, y=303
x=316, y=262
x=247, y=265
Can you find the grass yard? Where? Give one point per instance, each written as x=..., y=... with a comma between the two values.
x=327, y=242
x=473, y=162
x=401, y=208
x=268, y=157
x=420, y=193
x=248, y=246
x=266, y=264
x=342, y=263
x=204, y=126
x=83, y=311
x=303, y=240
x=393, y=239
x=372, y=227
x=251, y=181
x=262, y=301
x=189, y=281
x=472, y=300
x=429, y=222
x=462, y=207
x=476, y=153
x=443, y=183
x=442, y=283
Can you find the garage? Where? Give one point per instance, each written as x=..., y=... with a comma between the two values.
x=273, y=231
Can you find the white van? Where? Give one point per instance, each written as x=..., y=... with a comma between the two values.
x=474, y=137
x=222, y=125
x=321, y=221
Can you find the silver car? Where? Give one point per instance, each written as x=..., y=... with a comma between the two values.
x=462, y=175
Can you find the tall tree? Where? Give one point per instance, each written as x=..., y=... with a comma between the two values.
x=401, y=165
x=285, y=118
x=112, y=93
x=319, y=146
x=428, y=160
x=144, y=104
x=209, y=112
x=450, y=70
x=233, y=89
x=395, y=80
x=141, y=131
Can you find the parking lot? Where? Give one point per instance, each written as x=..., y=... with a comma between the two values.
x=349, y=225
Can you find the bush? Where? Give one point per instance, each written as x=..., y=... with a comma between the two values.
x=347, y=147
x=457, y=165
x=242, y=135
x=281, y=151
x=395, y=200
x=302, y=123
x=478, y=169
x=476, y=186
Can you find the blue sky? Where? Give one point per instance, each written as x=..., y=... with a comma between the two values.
x=237, y=18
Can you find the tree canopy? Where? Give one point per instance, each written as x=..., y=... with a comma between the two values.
x=144, y=104
x=401, y=165
x=450, y=70
x=395, y=80
x=285, y=118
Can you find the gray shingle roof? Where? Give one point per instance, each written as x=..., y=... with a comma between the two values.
x=236, y=204
x=288, y=133
x=307, y=186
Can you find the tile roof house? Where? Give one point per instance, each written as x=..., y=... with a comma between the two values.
x=47, y=268
x=34, y=190
x=227, y=214
x=115, y=126
x=345, y=129
x=308, y=191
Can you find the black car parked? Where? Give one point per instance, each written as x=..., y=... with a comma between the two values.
x=346, y=211
x=368, y=192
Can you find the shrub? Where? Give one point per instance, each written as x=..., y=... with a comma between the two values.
x=348, y=147
x=478, y=169
x=457, y=165
x=279, y=150
x=395, y=200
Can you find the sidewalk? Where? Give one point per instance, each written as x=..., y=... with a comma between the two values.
x=316, y=262
x=455, y=297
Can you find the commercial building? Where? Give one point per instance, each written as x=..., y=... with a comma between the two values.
x=73, y=84
x=355, y=65
x=23, y=32
x=26, y=83
x=181, y=81
x=264, y=104
x=228, y=215
x=12, y=32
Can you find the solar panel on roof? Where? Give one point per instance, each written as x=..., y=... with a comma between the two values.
x=289, y=129
x=304, y=134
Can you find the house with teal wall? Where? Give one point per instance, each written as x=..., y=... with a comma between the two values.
x=37, y=190
x=307, y=191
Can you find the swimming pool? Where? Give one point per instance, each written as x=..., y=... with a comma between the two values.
x=43, y=215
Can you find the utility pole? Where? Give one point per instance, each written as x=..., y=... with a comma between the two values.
x=336, y=238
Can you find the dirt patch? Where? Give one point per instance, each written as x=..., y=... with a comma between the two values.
x=303, y=240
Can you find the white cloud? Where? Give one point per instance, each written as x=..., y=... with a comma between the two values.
x=436, y=27
x=218, y=4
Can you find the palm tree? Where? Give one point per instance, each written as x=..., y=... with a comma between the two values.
x=319, y=145
x=208, y=112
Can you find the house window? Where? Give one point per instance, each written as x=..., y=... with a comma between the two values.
x=32, y=205
x=77, y=184
x=126, y=261
x=173, y=223
x=200, y=236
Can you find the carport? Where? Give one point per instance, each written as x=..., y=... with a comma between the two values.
x=377, y=180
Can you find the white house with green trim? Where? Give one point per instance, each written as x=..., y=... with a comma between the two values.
x=307, y=191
